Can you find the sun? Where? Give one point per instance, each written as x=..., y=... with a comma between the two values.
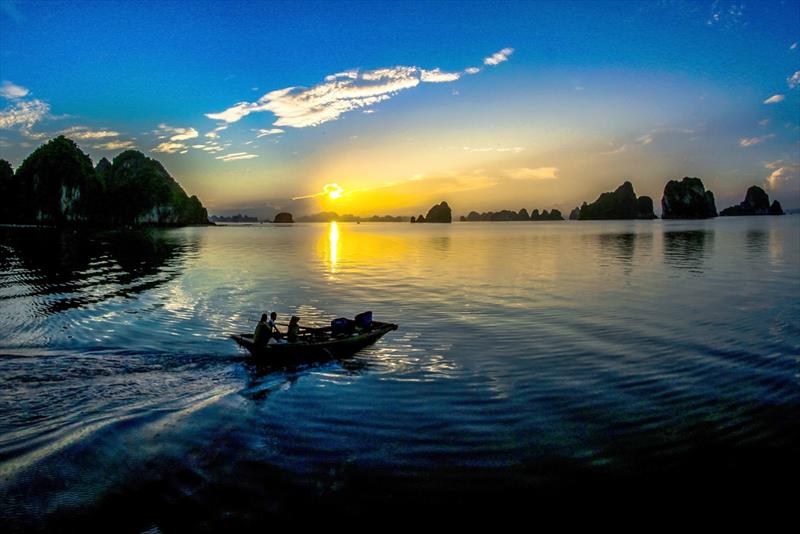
x=333, y=191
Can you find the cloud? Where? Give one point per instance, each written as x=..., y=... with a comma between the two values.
x=176, y=134
x=23, y=113
x=782, y=172
x=774, y=99
x=645, y=139
x=752, y=141
x=794, y=80
x=84, y=133
x=273, y=131
x=514, y=149
x=794, y=46
x=472, y=70
x=333, y=191
x=763, y=122
x=12, y=91
x=301, y=107
x=169, y=147
x=437, y=76
x=214, y=134
x=727, y=14
x=115, y=145
x=526, y=173
x=498, y=57
x=236, y=156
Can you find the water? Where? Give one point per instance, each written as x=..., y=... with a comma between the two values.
x=532, y=360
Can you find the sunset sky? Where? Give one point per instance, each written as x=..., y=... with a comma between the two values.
x=386, y=108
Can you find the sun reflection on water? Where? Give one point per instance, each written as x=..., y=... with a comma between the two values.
x=333, y=239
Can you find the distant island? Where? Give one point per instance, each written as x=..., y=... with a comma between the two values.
x=57, y=185
x=238, y=218
x=328, y=216
x=508, y=215
x=440, y=213
x=619, y=204
x=283, y=217
x=756, y=202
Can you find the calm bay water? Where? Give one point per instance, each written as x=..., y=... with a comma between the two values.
x=532, y=359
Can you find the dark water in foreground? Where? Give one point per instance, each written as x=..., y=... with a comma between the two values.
x=534, y=361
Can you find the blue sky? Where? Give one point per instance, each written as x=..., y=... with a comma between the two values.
x=486, y=104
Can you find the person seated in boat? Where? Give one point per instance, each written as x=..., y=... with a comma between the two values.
x=262, y=334
x=274, y=333
x=294, y=329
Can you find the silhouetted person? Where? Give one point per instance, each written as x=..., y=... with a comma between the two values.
x=294, y=329
x=273, y=329
x=263, y=332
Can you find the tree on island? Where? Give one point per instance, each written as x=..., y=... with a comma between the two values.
x=57, y=184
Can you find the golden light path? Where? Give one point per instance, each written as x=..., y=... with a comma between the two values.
x=333, y=239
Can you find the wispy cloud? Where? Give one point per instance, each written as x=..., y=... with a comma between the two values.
x=794, y=80
x=727, y=13
x=328, y=190
x=214, y=134
x=437, y=76
x=84, y=133
x=526, y=173
x=647, y=139
x=24, y=113
x=498, y=57
x=264, y=132
x=793, y=46
x=513, y=149
x=174, y=137
x=12, y=91
x=774, y=99
x=236, y=156
x=172, y=133
x=115, y=145
x=169, y=147
x=301, y=107
x=752, y=141
x=472, y=70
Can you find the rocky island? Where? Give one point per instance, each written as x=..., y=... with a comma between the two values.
x=283, y=217
x=440, y=213
x=756, y=202
x=687, y=199
x=619, y=204
x=57, y=185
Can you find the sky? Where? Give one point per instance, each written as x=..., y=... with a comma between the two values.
x=387, y=108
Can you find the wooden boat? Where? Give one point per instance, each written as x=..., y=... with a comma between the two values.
x=316, y=344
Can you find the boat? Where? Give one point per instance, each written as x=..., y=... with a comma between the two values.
x=340, y=340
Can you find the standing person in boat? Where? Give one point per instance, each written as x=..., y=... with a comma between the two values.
x=263, y=332
x=294, y=329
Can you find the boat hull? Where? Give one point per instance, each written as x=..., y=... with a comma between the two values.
x=333, y=348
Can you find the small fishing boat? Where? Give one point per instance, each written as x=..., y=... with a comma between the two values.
x=343, y=338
